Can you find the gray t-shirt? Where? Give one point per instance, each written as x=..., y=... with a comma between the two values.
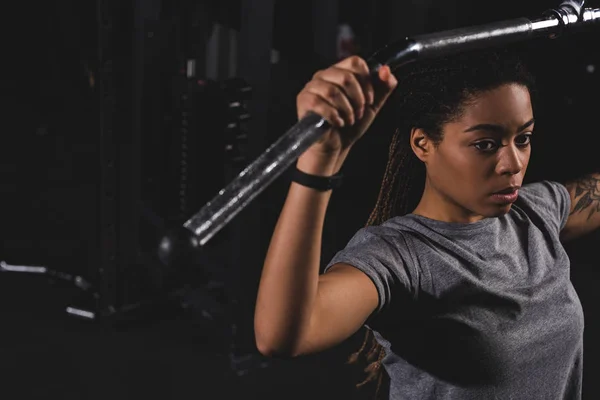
x=483, y=310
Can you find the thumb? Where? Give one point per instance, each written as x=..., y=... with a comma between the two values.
x=384, y=87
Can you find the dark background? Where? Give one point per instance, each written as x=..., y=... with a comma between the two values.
x=90, y=168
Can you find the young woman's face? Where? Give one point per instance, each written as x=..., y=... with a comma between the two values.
x=484, y=152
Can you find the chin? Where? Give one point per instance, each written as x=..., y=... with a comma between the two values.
x=498, y=211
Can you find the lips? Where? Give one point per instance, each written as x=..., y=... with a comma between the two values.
x=506, y=196
x=508, y=190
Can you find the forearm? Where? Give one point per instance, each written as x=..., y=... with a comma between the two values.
x=289, y=279
x=584, y=215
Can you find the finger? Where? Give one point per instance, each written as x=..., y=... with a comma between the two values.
x=386, y=76
x=386, y=85
x=308, y=101
x=348, y=82
x=360, y=68
x=333, y=95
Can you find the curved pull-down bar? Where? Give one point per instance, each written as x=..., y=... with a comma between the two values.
x=569, y=16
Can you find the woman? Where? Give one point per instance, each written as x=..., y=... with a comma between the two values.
x=465, y=289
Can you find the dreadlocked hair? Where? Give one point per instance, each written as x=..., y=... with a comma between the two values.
x=429, y=94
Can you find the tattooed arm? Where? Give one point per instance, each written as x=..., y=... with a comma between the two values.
x=584, y=216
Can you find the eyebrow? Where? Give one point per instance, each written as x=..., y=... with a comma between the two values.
x=498, y=128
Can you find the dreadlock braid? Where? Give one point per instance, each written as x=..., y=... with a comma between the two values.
x=430, y=94
x=399, y=160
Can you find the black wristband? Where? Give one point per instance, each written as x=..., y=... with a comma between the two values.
x=321, y=183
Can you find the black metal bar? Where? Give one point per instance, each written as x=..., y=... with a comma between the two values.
x=281, y=154
x=145, y=18
x=106, y=271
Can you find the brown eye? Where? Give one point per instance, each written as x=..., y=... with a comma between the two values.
x=523, y=140
x=486, y=145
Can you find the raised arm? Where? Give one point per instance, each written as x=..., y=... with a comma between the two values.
x=299, y=311
x=584, y=216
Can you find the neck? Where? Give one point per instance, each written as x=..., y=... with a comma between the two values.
x=438, y=206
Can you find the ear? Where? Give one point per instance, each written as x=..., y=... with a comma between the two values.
x=420, y=144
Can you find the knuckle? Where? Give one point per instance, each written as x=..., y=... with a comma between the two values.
x=300, y=97
x=306, y=100
x=331, y=112
x=312, y=101
x=356, y=61
x=331, y=92
x=334, y=116
x=360, y=102
x=347, y=78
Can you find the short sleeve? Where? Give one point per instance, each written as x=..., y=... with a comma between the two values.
x=382, y=254
x=549, y=199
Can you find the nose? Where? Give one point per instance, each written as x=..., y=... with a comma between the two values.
x=511, y=160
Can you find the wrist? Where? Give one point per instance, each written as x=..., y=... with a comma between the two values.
x=320, y=163
x=317, y=182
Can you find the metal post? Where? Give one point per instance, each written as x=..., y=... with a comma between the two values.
x=146, y=14
x=106, y=271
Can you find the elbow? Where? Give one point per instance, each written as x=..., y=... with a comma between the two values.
x=270, y=346
x=270, y=349
x=264, y=347
x=273, y=352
